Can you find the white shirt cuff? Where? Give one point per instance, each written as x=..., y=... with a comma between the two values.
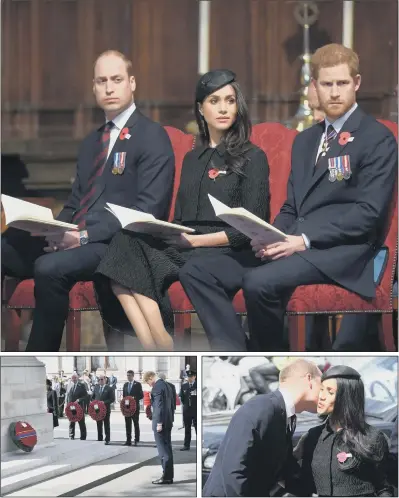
x=306, y=240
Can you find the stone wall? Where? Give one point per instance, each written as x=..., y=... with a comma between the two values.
x=23, y=397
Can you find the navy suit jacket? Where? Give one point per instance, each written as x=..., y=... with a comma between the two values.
x=162, y=405
x=346, y=220
x=136, y=391
x=146, y=183
x=255, y=451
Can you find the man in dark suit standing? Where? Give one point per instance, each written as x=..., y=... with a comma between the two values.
x=339, y=196
x=188, y=397
x=162, y=423
x=128, y=161
x=104, y=392
x=134, y=389
x=256, y=452
x=77, y=392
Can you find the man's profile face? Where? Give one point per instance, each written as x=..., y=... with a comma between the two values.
x=112, y=86
x=336, y=90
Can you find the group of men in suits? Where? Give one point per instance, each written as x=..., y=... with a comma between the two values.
x=338, y=200
x=256, y=452
x=104, y=391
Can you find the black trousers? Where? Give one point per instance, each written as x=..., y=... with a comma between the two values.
x=82, y=428
x=107, y=428
x=128, y=425
x=163, y=441
x=55, y=274
x=189, y=419
x=211, y=283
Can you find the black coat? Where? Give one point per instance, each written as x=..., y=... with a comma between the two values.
x=162, y=405
x=256, y=450
x=146, y=183
x=52, y=405
x=172, y=386
x=79, y=395
x=324, y=475
x=344, y=220
x=136, y=392
x=189, y=401
x=108, y=394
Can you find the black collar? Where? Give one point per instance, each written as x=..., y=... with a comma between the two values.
x=201, y=149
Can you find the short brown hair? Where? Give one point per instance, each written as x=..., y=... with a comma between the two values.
x=332, y=55
x=128, y=62
x=299, y=368
x=148, y=375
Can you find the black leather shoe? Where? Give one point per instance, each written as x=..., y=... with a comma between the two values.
x=161, y=480
x=128, y=443
x=135, y=443
x=107, y=442
x=72, y=437
x=185, y=449
x=100, y=439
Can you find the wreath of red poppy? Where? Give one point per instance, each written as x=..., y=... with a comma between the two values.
x=74, y=411
x=344, y=138
x=128, y=406
x=123, y=133
x=97, y=410
x=24, y=436
x=148, y=412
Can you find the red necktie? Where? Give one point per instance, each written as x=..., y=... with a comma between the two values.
x=99, y=164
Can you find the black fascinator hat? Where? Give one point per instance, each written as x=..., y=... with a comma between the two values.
x=342, y=372
x=212, y=81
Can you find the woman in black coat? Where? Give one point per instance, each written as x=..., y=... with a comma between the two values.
x=52, y=402
x=345, y=456
x=139, y=269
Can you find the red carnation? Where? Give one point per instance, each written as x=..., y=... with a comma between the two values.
x=123, y=133
x=344, y=138
x=213, y=173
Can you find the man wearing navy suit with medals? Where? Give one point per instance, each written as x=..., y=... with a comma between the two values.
x=135, y=390
x=339, y=196
x=128, y=161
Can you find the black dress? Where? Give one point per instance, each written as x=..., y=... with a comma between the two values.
x=324, y=474
x=148, y=265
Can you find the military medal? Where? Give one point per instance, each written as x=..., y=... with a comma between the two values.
x=332, y=169
x=119, y=163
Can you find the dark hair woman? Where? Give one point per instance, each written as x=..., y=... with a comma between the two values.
x=345, y=456
x=138, y=269
x=52, y=402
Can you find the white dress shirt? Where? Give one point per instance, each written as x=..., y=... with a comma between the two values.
x=289, y=404
x=337, y=124
x=119, y=122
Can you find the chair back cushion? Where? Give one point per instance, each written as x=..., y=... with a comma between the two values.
x=181, y=143
x=276, y=141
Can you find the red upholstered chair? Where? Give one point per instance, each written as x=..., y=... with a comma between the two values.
x=18, y=295
x=325, y=300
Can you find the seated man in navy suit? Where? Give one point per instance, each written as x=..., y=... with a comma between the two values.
x=128, y=161
x=339, y=195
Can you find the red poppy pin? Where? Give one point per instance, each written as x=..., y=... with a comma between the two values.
x=213, y=173
x=124, y=134
x=343, y=457
x=345, y=137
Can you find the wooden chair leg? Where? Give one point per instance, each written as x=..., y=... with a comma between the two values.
x=183, y=327
x=73, y=328
x=11, y=330
x=296, y=331
x=386, y=331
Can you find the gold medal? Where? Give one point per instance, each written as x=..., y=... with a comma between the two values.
x=340, y=176
x=115, y=170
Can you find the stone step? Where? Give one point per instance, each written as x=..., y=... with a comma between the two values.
x=44, y=463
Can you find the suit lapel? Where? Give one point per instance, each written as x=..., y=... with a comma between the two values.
x=119, y=146
x=335, y=150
